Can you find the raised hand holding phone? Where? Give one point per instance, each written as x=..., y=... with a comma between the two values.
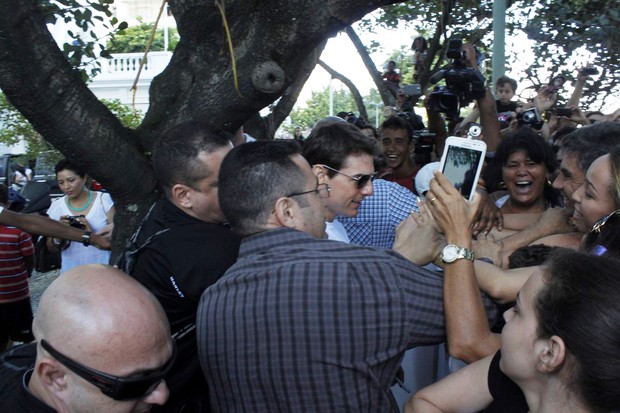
x=462, y=162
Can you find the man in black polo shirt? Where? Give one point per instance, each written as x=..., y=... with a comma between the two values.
x=187, y=247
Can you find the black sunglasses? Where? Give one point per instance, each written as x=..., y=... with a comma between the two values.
x=360, y=180
x=132, y=387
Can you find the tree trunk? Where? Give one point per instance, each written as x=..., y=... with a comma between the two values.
x=265, y=127
x=270, y=40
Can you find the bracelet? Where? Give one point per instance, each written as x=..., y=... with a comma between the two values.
x=56, y=242
x=86, y=238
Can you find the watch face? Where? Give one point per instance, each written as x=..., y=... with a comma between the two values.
x=450, y=253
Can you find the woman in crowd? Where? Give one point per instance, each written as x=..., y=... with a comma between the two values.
x=482, y=384
x=81, y=208
x=597, y=197
x=525, y=163
x=559, y=347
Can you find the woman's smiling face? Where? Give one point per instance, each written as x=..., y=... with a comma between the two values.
x=594, y=199
x=524, y=178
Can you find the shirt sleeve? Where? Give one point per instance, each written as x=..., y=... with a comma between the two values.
x=106, y=201
x=25, y=244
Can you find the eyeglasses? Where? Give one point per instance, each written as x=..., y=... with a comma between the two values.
x=131, y=387
x=598, y=225
x=321, y=189
x=361, y=180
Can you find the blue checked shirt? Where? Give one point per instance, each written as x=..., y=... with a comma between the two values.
x=379, y=215
x=300, y=324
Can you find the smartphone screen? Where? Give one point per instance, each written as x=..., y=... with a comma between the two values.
x=462, y=163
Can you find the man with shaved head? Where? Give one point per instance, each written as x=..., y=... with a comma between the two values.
x=102, y=345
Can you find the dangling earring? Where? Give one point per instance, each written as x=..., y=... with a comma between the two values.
x=501, y=185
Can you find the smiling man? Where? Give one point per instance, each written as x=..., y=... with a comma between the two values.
x=341, y=157
x=397, y=142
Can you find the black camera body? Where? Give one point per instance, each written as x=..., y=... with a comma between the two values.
x=504, y=119
x=424, y=144
x=463, y=84
x=567, y=112
x=530, y=117
x=357, y=121
x=73, y=221
x=589, y=71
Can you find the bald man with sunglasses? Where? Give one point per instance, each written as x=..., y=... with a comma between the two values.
x=103, y=345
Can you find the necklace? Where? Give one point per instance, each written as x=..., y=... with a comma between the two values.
x=90, y=199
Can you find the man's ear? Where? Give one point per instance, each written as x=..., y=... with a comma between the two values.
x=552, y=356
x=320, y=173
x=181, y=195
x=286, y=212
x=52, y=375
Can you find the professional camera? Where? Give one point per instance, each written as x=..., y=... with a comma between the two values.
x=424, y=145
x=463, y=84
x=73, y=221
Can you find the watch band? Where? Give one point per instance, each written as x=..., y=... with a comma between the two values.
x=86, y=238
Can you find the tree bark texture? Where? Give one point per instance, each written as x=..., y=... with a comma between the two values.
x=271, y=41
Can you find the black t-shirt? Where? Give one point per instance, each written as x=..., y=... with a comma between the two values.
x=16, y=366
x=177, y=266
x=507, y=396
x=510, y=107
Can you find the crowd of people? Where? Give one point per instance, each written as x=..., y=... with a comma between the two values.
x=295, y=275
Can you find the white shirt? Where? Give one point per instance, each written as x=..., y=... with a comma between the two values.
x=335, y=231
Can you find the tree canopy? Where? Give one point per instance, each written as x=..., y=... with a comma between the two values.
x=563, y=32
x=233, y=59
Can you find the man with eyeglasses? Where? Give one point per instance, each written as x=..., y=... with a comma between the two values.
x=103, y=346
x=301, y=323
x=341, y=157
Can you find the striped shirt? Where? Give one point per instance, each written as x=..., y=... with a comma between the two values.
x=14, y=246
x=300, y=324
x=379, y=215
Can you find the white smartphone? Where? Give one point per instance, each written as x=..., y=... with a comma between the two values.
x=461, y=163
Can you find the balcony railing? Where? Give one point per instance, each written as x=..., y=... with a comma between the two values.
x=125, y=66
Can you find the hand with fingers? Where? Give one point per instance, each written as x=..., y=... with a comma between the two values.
x=418, y=238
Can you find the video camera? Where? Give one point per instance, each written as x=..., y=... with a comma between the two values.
x=530, y=117
x=463, y=84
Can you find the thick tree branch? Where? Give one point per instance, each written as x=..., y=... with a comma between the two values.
x=386, y=96
x=357, y=96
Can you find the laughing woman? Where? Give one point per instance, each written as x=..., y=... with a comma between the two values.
x=81, y=208
x=525, y=163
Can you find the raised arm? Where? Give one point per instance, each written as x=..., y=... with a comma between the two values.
x=469, y=335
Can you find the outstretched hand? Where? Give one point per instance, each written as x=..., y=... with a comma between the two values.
x=418, y=238
x=487, y=216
